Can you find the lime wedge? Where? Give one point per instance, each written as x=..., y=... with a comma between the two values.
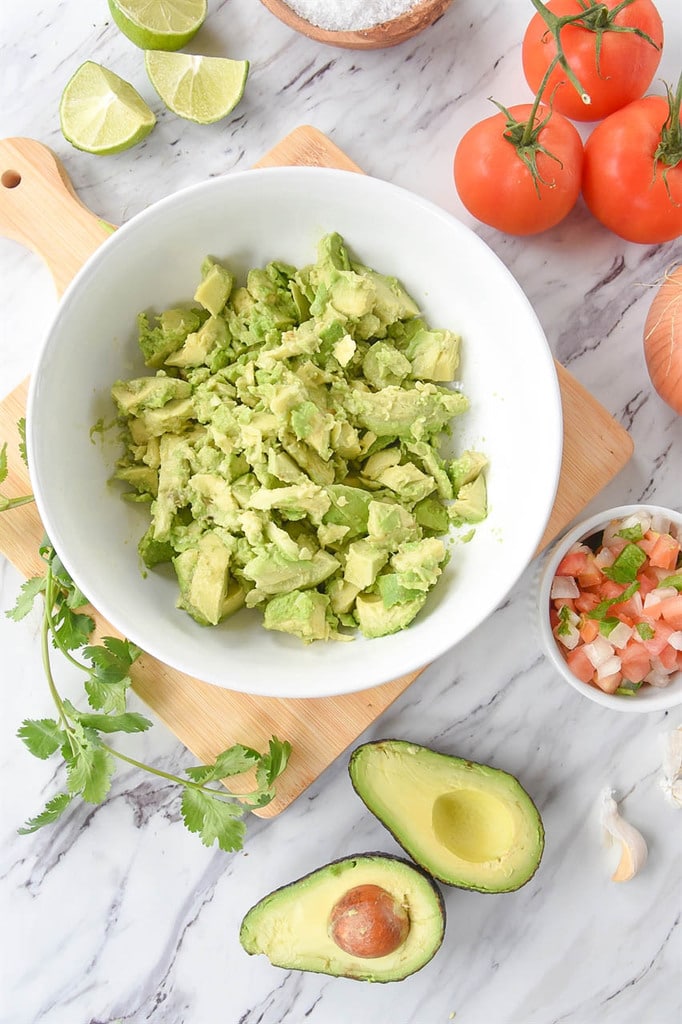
x=101, y=113
x=201, y=89
x=158, y=24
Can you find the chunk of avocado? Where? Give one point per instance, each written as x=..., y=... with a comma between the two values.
x=303, y=613
x=215, y=287
x=375, y=619
x=369, y=917
x=467, y=824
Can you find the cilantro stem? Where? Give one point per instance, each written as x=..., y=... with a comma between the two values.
x=55, y=636
x=187, y=783
x=8, y=503
x=45, y=630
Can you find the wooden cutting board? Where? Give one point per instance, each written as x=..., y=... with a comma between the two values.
x=39, y=208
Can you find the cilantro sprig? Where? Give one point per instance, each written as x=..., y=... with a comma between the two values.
x=79, y=737
x=24, y=499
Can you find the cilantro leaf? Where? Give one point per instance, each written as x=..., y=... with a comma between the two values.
x=3, y=463
x=213, y=818
x=42, y=736
x=26, y=598
x=274, y=762
x=645, y=630
x=71, y=629
x=21, y=427
x=233, y=761
x=631, y=532
x=601, y=611
x=89, y=771
x=107, y=697
x=564, y=627
x=112, y=660
x=131, y=721
x=672, y=581
x=627, y=565
x=54, y=809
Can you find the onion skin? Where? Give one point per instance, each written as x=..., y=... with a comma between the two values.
x=663, y=340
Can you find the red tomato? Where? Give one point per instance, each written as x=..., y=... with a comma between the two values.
x=627, y=62
x=497, y=187
x=623, y=185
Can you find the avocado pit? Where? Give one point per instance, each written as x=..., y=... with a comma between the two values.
x=369, y=922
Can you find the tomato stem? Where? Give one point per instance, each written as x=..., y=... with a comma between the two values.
x=669, y=149
x=593, y=17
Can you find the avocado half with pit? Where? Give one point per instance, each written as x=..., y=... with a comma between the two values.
x=370, y=917
x=467, y=824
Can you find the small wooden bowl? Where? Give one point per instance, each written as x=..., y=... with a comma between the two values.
x=388, y=33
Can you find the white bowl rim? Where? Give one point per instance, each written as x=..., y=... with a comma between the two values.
x=654, y=699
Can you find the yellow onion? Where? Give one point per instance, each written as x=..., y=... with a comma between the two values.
x=663, y=340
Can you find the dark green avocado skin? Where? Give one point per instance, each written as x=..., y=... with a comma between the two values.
x=425, y=867
x=381, y=857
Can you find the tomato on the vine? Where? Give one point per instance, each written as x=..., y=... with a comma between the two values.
x=632, y=174
x=494, y=170
x=613, y=66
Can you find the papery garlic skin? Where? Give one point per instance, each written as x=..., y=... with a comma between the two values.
x=634, y=849
x=671, y=782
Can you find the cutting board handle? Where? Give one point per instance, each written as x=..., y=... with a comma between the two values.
x=40, y=209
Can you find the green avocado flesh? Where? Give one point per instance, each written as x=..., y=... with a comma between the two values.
x=467, y=824
x=289, y=443
x=292, y=925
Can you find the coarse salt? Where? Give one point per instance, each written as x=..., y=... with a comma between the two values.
x=349, y=15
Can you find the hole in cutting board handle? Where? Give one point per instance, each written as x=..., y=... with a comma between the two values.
x=10, y=179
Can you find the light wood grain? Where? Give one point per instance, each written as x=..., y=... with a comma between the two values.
x=207, y=718
x=388, y=33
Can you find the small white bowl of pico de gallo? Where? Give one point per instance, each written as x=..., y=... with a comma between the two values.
x=610, y=602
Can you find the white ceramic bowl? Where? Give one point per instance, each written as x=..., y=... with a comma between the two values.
x=248, y=219
x=649, y=698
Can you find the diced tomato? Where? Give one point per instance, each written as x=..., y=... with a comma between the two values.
x=660, y=638
x=609, y=684
x=572, y=564
x=635, y=662
x=610, y=589
x=671, y=611
x=668, y=657
x=648, y=581
x=579, y=664
x=587, y=602
x=647, y=542
x=591, y=575
x=665, y=552
x=632, y=657
x=589, y=630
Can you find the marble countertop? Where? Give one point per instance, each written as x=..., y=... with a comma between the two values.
x=117, y=913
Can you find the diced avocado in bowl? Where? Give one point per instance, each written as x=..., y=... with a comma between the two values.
x=290, y=444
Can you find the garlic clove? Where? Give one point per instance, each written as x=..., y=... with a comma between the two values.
x=633, y=845
x=671, y=782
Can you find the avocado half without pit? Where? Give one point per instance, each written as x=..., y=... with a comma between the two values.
x=467, y=824
x=370, y=917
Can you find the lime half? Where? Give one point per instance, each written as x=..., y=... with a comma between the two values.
x=159, y=24
x=201, y=89
x=101, y=113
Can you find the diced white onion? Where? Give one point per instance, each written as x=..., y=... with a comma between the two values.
x=609, y=667
x=658, y=595
x=675, y=640
x=598, y=651
x=658, y=676
x=564, y=586
x=604, y=558
x=660, y=523
x=642, y=519
x=620, y=635
x=569, y=638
